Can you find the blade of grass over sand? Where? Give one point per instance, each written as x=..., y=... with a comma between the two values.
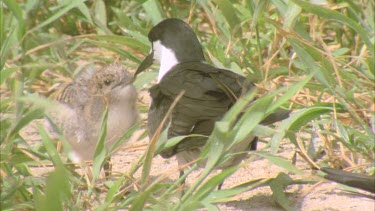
x=50, y=148
x=334, y=15
x=296, y=120
x=69, y=5
x=57, y=180
x=100, y=149
x=223, y=136
x=125, y=41
x=127, y=134
x=140, y=200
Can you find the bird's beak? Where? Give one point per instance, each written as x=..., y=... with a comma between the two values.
x=124, y=83
x=147, y=62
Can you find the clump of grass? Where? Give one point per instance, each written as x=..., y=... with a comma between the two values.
x=315, y=59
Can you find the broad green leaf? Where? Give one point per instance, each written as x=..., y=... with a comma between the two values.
x=69, y=6
x=279, y=161
x=258, y=12
x=238, y=107
x=100, y=149
x=291, y=16
x=114, y=48
x=311, y=66
x=278, y=186
x=226, y=194
x=230, y=15
x=281, y=6
x=18, y=13
x=126, y=41
x=125, y=137
x=50, y=148
x=295, y=121
x=25, y=120
x=6, y=73
x=262, y=131
x=251, y=118
x=334, y=15
x=100, y=13
x=81, y=6
x=6, y=47
x=57, y=191
x=206, y=188
x=154, y=11
x=114, y=189
x=291, y=91
x=217, y=143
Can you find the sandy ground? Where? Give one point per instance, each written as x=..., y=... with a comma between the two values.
x=322, y=196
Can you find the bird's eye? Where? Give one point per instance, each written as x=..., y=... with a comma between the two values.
x=107, y=82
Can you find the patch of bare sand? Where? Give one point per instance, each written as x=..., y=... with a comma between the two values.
x=324, y=196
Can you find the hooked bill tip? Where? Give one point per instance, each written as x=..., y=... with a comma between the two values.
x=146, y=63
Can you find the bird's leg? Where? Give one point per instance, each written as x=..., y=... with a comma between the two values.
x=220, y=185
x=182, y=185
x=107, y=168
x=254, y=144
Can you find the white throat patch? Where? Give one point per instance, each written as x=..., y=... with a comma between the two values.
x=165, y=56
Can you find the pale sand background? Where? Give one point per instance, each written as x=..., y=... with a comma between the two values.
x=324, y=196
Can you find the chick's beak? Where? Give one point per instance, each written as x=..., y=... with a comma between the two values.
x=147, y=62
x=124, y=82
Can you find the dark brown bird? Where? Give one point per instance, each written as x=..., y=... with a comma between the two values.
x=209, y=92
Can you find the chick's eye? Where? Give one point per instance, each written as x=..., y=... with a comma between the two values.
x=107, y=82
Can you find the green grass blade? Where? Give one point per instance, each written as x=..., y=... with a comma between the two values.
x=6, y=73
x=100, y=149
x=18, y=13
x=334, y=15
x=278, y=186
x=297, y=120
x=279, y=161
x=154, y=10
x=230, y=14
x=126, y=41
x=66, y=8
x=50, y=148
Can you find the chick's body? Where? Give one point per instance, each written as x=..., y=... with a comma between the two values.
x=81, y=105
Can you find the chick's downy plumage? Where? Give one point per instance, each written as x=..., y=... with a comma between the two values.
x=81, y=104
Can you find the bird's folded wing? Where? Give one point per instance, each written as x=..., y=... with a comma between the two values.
x=202, y=82
x=66, y=94
x=157, y=111
x=209, y=94
x=76, y=93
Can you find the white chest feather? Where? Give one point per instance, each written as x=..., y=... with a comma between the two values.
x=166, y=57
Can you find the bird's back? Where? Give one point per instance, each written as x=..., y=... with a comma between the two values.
x=209, y=93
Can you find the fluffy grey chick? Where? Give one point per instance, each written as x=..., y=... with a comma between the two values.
x=82, y=102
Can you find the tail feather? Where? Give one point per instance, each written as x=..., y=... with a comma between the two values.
x=360, y=181
x=278, y=115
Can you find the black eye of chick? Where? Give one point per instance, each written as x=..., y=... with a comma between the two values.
x=107, y=82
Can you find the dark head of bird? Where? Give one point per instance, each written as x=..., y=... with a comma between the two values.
x=176, y=36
